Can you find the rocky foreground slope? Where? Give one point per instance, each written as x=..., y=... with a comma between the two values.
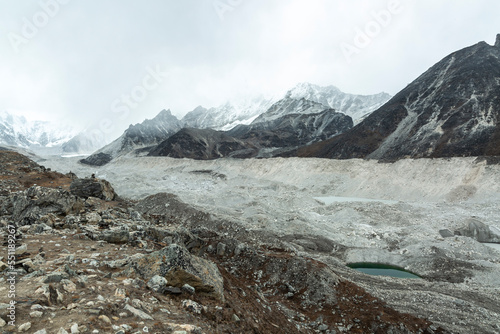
x=88, y=261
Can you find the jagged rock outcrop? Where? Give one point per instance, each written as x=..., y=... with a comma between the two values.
x=27, y=207
x=92, y=187
x=453, y=109
x=151, y=132
x=180, y=267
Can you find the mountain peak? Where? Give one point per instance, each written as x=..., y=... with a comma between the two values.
x=497, y=42
x=164, y=113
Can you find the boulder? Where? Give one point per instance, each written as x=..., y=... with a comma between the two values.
x=481, y=232
x=180, y=267
x=168, y=207
x=92, y=187
x=157, y=282
x=116, y=236
x=32, y=204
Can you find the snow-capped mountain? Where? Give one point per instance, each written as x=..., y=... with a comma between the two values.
x=17, y=131
x=228, y=115
x=286, y=125
x=293, y=122
x=231, y=114
x=85, y=142
x=355, y=106
x=453, y=109
x=151, y=132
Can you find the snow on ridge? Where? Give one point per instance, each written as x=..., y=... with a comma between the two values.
x=18, y=131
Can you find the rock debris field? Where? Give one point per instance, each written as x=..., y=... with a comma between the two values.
x=433, y=217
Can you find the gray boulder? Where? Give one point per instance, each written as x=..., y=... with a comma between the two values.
x=180, y=267
x=481, y=232
x=168, y=207
x=27, y=207
x=157, y=283
x=93, y=187
x=116, y=236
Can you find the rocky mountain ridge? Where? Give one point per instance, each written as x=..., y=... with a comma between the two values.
x=18, y=131
x=287, y=124
x=239, y=119
x=453, y=109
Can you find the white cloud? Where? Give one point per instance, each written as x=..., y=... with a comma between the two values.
x=91, y=52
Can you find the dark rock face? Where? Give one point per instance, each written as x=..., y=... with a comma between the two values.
x=86, y=188
x=287, y=124
x=453, y=109
x=203, y=144
x=99, y=159
x=27, y=207
x=151, y=132
x=294, y=129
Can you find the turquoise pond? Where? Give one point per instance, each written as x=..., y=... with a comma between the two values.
x=378, y=269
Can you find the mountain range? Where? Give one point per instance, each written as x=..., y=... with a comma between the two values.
x=258, y=125
x=453, y=109
x=18, y=131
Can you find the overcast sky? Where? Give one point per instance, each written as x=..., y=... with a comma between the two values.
x=125, y=60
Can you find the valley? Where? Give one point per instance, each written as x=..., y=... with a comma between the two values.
x=412, y=203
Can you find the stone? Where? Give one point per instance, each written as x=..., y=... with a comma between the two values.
x=116, y=236
x=479, y=231
x=68, y=285
x=74, y=329
x=2, y=323
x=221, y=249
x=92, y=187
x=36, y=314
x=35, y=202
x=24, y=327
x=171, y=290
x=3, y=266
x=192, y=306
x=54, y=277
x=105, y=319
x=41, y=331
x=180, y=267
x=157, y=283
x=21, y=249
x=189, y=289
x=445, y=233
x=120, y=293
x=93, y=218
x=138, y=313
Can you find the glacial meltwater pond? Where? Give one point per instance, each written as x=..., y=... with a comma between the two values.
x=336, y=199
x=378, y=269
